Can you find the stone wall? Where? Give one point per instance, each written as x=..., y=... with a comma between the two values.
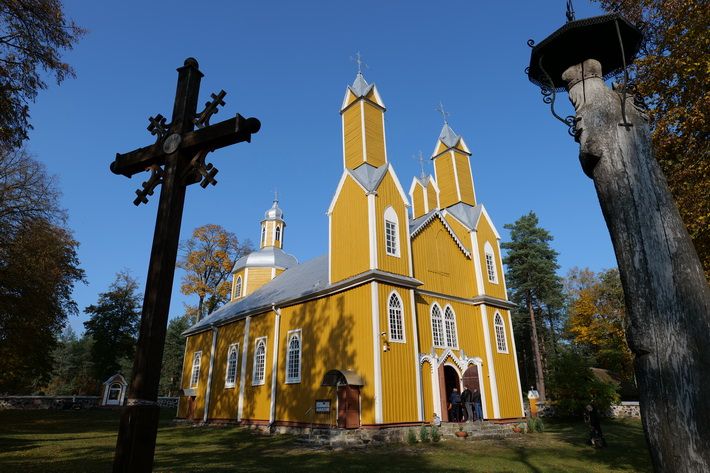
x=65, y=402
x=624, y=409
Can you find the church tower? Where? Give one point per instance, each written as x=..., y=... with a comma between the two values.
x=256, y=269
x=452, y=169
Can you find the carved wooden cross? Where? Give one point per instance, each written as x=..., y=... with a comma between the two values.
x=175, y=160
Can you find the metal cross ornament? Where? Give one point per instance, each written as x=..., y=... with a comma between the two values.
x=175, y=160
x=444, y=113
x=359, y=61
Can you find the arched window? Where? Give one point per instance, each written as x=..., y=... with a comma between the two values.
x=293, y=358
x=490, y=263
x=391, y=232
x=195, y=376
x=114, y=392
x=238, y=288
x=437, y=326
x=263, y=235
x=232, y=355
x=259, y=371
x=501, y=342
x=278, y=233
x=396, y=322
x=450, y=325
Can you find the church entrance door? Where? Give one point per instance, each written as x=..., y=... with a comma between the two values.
x=471, y=379
x=348, y=407
x=191, y=407
x=448, y=380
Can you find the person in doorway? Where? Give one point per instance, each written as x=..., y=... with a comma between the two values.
x=455, y=400
x=476, y=399
x=467, y=401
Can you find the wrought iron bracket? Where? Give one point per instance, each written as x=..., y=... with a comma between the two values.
x=548, y=92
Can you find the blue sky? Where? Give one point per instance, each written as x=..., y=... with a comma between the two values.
x=288, y=64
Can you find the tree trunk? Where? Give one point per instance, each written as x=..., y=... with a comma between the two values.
x=200, y=308
x=666, y=293
x=539, y=377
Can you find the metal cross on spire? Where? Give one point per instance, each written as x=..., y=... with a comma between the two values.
x=276, y=195
x=358, y=59
x=444, y=113
x=420, y=158
x=570, y=11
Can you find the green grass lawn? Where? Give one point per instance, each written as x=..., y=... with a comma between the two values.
x=83, y=441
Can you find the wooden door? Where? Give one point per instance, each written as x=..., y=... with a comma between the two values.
x=348, y=407
x=191, y=407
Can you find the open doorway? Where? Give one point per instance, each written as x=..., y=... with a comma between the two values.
x=448, y=380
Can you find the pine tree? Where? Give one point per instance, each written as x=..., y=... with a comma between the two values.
x=114, y=325
x=171, y=371
x=532, y=280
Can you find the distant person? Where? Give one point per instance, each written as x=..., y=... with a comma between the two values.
x=436, y=421
x=467, y=401
x=591, y=417
x=476, y=398
x=455, y=400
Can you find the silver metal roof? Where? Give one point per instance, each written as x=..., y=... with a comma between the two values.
x=269, y=257
x=369, y=176
x=448, y=136
x=275, y=212
x=360, y=86
x=467, y=214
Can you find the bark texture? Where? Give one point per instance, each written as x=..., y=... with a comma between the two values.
x=666, y=293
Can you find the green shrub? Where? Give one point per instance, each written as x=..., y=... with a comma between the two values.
x=534, y=424
x=435, y=434
x=411, y=437
x=424, y=434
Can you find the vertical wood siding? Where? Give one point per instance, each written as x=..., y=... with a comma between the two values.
x=485, y=233
x=223, y=402
x=374, y=135
x=349, y=239
x=352, y=138
x=388, y=195
x=257, y=278
x=198, y=342
x=463, y=171
x=257, y=399
x=445, y=179
x=418, y=201
x=506, y=375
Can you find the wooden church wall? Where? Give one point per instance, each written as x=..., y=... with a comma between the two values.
x=199, y=342
x=388, y=195
x=349, y=238
x=506, y=374
x=224, y=400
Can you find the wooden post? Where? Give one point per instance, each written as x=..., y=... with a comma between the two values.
x=667, y=296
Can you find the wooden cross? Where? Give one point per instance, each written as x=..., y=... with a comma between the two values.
x=444, y=113
x=175, y=160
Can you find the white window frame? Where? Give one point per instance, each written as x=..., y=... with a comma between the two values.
x=490, y=257
x=454, y=329
x=238, y=287
x=277, y=233
x=392, y=219
x=290, y=336
x=254, y=380
x=195, y=373
x=392, y=337
x=442, y=332
x=233, y=348
x=501, y=338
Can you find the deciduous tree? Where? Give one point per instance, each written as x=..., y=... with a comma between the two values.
x=113, y=324
x=208, y=259
x=672, y=75
x=33, y=34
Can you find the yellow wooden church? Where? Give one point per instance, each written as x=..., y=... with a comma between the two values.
x=408, y=303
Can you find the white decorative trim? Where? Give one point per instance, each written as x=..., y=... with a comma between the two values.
x=199, y=369
x=456, y=327
x=397, y=184
x=477, y=263
x=505, y=336
x=257, y=341
x=502, y=273
x=517, y=372
x=436, y=188
x=425, y=193
x=246, y=282
x=488, y=251
x=243, y=377
x=376, y=347
x=408, y=239
x=431, y=324
x=456, y=175
x=330, y=249
x=491, y=367
x=362, y=125
x=484, y=213
x=389, y=319
x=391, y=216
x=289, y=336
x=233, y=347
x=372, y=230
x=208, y=390
x=384, y=134
x=334, y=200
x=430, y=219
x=470, y=173
x=415, y=345
x=342, y=127
x=274, y=365
x=273, y=273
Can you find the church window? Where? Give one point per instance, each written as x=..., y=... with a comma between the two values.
x=501, y=342
x=437, y=326
x=391, y=232
x=259, y=371
x=195, y=376
x=278, y=233
x=450, y=324
x=263, y=235
x=232, y=355
x=490, y=263
x=114, y=392
x=293, y=358
x=395, y=316
x=238, y=288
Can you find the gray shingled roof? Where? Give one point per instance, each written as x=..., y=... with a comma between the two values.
x=369, y=176
x=448, y=136
x=360, y=86
x=467, y=214
x=266, y=258
x=300, y=280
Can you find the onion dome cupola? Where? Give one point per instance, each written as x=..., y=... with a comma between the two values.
x=259, y=267
x=363, y=120
x=452, y=169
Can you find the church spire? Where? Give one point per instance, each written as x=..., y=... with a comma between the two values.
x=272, y=227
x=362, y=113
x=452, y=166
